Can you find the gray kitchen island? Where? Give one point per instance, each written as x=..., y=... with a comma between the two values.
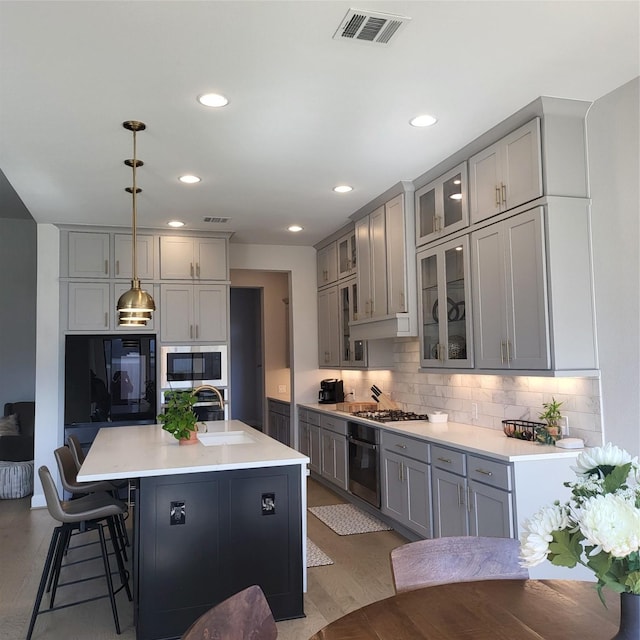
x=209, y=520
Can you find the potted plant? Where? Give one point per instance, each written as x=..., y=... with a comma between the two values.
x=552, y=416
x=179, y=419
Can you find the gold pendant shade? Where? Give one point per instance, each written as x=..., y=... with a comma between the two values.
x=136, y=305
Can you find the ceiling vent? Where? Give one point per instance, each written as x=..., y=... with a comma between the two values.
x=213, y=220
x=369, y=26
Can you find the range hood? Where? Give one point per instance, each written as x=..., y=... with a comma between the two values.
x=397, y=325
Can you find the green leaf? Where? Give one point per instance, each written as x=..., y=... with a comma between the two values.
x=565, y=550
x=616, y=478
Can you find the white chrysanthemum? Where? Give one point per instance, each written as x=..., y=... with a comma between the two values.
x=609, y=455
x=611, y=523
x=538, y=530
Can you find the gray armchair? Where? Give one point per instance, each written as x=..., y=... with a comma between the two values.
x=19, y=448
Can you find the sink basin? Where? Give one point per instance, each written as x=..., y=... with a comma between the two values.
x=225, y=437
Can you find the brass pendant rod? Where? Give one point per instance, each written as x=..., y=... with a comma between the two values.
x=134, y=215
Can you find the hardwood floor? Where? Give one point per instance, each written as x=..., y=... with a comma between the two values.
x=360, y=574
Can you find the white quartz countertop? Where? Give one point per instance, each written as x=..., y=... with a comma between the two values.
x=472, y=439
x=147, y=450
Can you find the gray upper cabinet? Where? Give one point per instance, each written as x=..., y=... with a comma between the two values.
x=145, y=256
x=441, y=206
x=346, y=255
x=506, y=174
x=444, y=305
x=193, y=258
x=89, y=254
x=511, y=324
x=327, y=258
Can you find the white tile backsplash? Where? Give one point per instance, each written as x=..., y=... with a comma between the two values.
x=498, y=397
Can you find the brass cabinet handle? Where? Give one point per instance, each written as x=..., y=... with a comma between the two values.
x=197, y=269
x=197, y=331
x=402, y=472
x=447, y=460
x=502, y=351
x=191, y=269
x=106, y=318
x=106, y=267
x=460, y=503
x=469, y=505
x=508, y=342
x=191, y=331
x=117, y=267
x=497, y=196
x=504, y=193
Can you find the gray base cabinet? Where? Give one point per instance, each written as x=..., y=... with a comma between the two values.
x=406, y=482
x=471, y=495
x=279, y=423
x=200, y=538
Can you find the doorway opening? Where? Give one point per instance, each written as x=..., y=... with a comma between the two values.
x=247, y=355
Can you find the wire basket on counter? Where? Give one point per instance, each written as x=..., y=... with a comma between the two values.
x=521, y=429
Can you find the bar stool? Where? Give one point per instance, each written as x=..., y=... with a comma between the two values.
x=69, y=478
x=88, y=513
x=79, y=456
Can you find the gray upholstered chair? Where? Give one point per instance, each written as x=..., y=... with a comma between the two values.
x=244, y=616
x=19, y=447
x=428, y=563
x=89, y=513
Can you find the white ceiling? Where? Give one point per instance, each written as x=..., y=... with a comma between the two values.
x=306, y=111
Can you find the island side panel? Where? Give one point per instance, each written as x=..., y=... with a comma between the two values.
x=202, y=537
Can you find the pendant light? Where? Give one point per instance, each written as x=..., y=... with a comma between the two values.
x=134, y=306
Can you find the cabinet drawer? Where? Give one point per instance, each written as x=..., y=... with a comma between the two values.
x=310, y=417
x=334, y=424
x=491, y=472
x=404, y=446
x=448, y=459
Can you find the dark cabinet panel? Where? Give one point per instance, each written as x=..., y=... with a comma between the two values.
x=202, y=537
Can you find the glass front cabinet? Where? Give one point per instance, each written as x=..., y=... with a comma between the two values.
x=353, y=353
x=441, y=206
x=445, y=317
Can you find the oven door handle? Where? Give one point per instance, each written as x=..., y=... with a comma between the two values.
x=360, y=443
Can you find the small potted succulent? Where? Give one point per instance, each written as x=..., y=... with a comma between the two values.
x=179, y=419
x=552, y=431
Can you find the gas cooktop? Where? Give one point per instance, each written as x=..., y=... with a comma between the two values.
x=392, y=415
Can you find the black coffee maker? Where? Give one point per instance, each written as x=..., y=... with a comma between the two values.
x=331, y=391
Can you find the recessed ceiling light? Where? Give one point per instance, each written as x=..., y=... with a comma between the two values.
x=424, y=120
x=189, y=179
x=175, y=223
x=343, y=188
x=456, y=196
x=294, y=228
x=213, y=100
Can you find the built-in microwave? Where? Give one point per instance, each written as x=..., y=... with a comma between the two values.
x=188, y=366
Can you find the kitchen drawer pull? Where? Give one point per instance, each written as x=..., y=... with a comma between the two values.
x=447, y=460
x=484, y=472
x=401, y=446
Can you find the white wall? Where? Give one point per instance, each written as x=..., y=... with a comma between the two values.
x=301, y=263
x=613, y=133
x=18, y=310
x=49, y=359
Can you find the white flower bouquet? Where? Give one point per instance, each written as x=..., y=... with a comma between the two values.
x=600, y=525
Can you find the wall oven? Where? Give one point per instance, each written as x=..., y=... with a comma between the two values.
x=189, y=366
x=364, y=462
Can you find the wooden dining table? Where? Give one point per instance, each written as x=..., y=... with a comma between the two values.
x=485, y=610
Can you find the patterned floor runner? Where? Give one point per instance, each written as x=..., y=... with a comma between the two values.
x=346, y=519
x=315, y=556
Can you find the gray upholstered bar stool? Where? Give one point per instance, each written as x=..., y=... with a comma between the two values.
x=69, y=477
x=89, y=513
